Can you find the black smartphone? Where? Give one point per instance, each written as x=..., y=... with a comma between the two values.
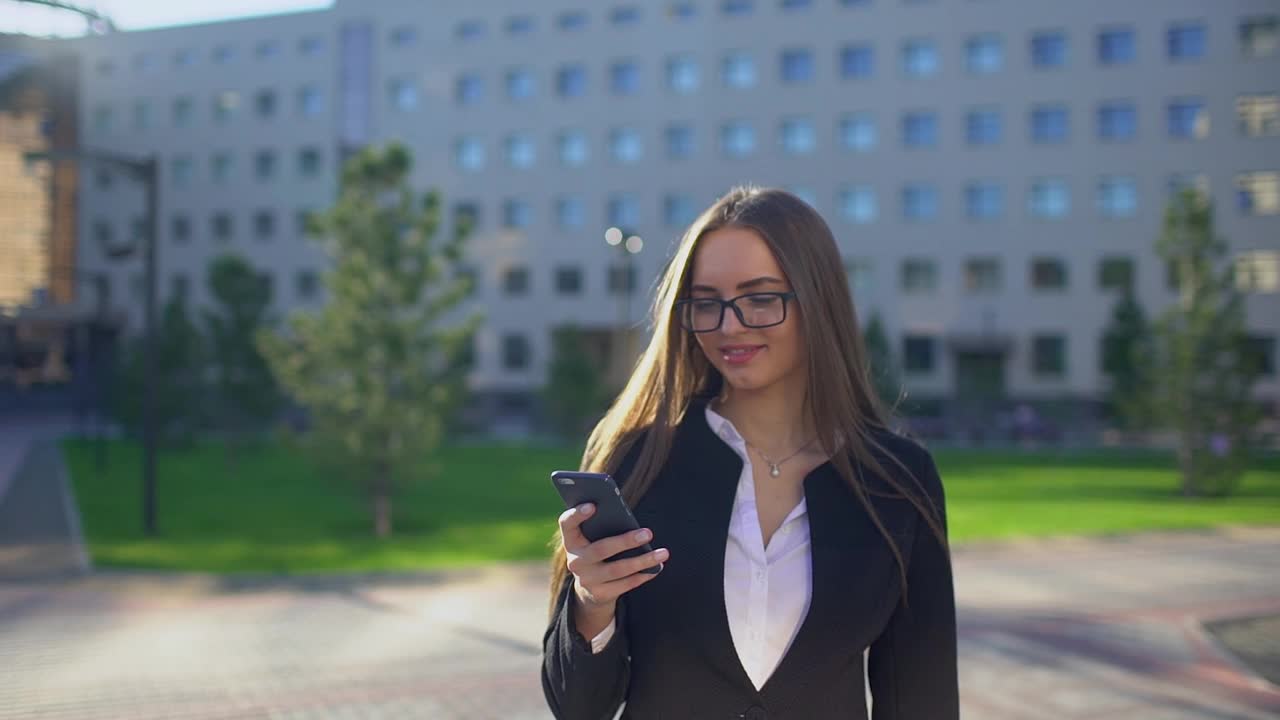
x=612, y=516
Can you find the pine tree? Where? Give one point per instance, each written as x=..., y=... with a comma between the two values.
x=574, y=395
x=1126, y=347
x=179, y=391
x=884, y=371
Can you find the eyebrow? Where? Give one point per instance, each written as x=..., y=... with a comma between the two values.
x=745, y=285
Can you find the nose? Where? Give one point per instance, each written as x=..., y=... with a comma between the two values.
x=730, y=324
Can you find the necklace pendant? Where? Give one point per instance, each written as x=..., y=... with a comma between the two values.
x=773, y=470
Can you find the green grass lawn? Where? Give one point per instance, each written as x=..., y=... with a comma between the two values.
x=278, y=510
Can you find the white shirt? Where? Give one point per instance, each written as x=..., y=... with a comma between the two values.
x=766, y=590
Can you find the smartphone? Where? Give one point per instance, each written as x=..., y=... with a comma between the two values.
x=612, y=516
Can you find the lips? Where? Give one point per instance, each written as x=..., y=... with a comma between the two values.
x=740, y=354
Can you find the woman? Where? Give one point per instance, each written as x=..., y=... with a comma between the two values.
x=796, y=530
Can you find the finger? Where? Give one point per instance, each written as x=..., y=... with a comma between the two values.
x=628, y=566
x=570, y=522
x=605, y=548
x=611, y=590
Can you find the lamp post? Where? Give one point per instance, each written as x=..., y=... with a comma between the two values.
x=629, y=248
x=147, y=171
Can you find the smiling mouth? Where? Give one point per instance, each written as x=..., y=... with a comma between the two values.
x=740, y=354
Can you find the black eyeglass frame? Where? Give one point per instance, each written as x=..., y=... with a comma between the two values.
x=732, y=303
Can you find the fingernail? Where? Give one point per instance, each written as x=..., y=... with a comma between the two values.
x=642, y=535
x=586, y=509
x=661, y=554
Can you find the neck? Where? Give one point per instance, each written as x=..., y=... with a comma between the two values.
x=772, y=418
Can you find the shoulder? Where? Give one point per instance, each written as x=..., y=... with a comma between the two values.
x=890, y=446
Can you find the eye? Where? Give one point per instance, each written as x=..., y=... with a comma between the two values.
x=762, y=300
x=706, y=305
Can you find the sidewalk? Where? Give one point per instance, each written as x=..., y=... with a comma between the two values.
x=39, y=523
x=1049, y=630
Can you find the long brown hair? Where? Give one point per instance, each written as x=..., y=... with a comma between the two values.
x=673, y=369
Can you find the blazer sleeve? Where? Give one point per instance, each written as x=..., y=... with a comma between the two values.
x=912, y=665
x=580, y=684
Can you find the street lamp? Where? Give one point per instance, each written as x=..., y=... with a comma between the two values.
x=629, y=248
x=147, y=171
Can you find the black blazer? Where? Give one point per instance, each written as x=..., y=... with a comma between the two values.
x=672, y=656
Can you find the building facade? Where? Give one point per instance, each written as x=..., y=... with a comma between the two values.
x=994, y=171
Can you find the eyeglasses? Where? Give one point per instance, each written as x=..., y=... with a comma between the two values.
x=754, y=310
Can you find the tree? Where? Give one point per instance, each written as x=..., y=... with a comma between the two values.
x=178, y=383
x=884, y=373
x=245, y=396
x=1203, y=371
x=574, y=394
x=382, y=366
x=1126, y=347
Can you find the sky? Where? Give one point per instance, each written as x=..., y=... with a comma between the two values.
x=32, y=19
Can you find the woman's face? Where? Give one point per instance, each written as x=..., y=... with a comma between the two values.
x=734, y=261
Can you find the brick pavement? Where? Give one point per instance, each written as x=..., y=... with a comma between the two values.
x=1051, y=630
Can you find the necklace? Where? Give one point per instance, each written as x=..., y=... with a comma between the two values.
x=775, y=467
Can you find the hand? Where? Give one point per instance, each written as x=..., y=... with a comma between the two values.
x=599, y=584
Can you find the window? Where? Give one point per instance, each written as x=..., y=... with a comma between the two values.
x=1048, y=274
x=919, y=58
x=466, y=214
x=568, y=280
x=984, y=54
x=919, y=202
x=983, y=200
x=179, y=287
x=516, y=214
x=1117, y=121
x=468, y=89
x=306, y=285
x=221, y=227
x=310, y=101
x=678, y=210
x=796, y=66
x=105, y=67
x=1258, y=193
x=796, y=5
x=798, y=136
x=403, y=36
x=982, y=275
x=310, y=45
x=103, y=235
x=180, y=229
x=264, y=104
x=1049, y=124
x=520, y=84
x=571, y=20
x=679, y=141
x=520, y=151
x=738, y=71
x=224, y=106
x=309, y=162
x=223, y=54
x=470, y=30
x=737, y=139
x=403, y=93
x=1197, y=182
x=918, y=354
x=1260, y=36
x=861, y=274
x=1048, y=49
x=1115, y=272
x=625, y=15
x=858, y=132
x=141, y=115
x=857, y=61
x=623, y=211
x=1185, y=41
x=1116, y=46
x=1049, y=356
x=264, y=164
x=625, y=146
x=621, y=279
x=519, y=25
x=221, y=167
x=572, y=148
x=1050, y=199
x=264, y=225
x=515, y=281
x=682, y=75
x=920, y=129
x=682, y=11
x=1117, y=197
x=858, y=204
x=737, y=8
x=1261, y=350
x=919, y=276
x=102, y=178
x=571, y=81
x=1258, y=271
x=515, y=352
x=1259, y=115
x=469, y=153
x=180, y=171
x=183, y=109
x=1188, y=119
x=624, y=78
x=982, y=127
x=267, y=49
x=571, y=211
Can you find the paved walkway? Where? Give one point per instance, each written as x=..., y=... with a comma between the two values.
x=1053, y=630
